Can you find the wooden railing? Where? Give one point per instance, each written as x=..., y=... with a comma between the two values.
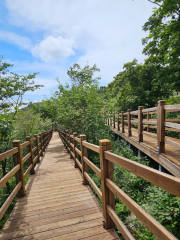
x=109, y=189
x=158, y=122
x=40, y=143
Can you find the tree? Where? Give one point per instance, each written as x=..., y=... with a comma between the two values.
x=83, y=76
x=12, y=89
x=137, y=85
x=79, y=106
x=162, y=43
x=48, y=109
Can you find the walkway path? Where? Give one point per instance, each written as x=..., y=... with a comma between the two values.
x=170, y=159
x=57, y=205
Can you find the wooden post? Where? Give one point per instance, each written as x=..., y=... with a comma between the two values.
x=132, y=119
x=83, y=154
x=64, y=141
x=160, y=126
x=18, y=159
x=44, y=140
x=148, y=118
x=140, y=124
x=67, y=138
x=40, y=140
x=129, y=123
x=179, y=132
x=70, y=141
x=108, y=122
x=29, y=150
x=75, y=153
x=107, y=171
x=122, y=121
x=36, y=145
x=118, y=127
x=114, y=121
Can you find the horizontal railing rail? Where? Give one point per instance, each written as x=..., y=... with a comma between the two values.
x=109, y=189
x=155, y=118
x=40, y=142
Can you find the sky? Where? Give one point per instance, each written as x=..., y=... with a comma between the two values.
x=49, y=36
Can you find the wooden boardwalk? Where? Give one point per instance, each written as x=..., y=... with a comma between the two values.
x=169, y=160
x=56, y=205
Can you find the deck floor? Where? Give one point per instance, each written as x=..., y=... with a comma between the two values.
x=57, y=205
x=171, y=154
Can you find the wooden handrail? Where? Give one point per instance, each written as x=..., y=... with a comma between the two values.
x=172, y=107
x=25, y=144
x=148, y=221
x=9, y=175
x=120, y=225
x=92, y=166
x=10, y=199
x=160, y=179
x=172, y=125
x=109, y=188
x=8, y=153
x=91, y=146
x=94, y=186
x=161, y=123
x=26, y=157
x=153, y=109
x=17, y=170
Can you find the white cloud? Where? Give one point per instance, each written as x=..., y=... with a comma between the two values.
x=11, y=37
x=53, y=49
x=105, y=32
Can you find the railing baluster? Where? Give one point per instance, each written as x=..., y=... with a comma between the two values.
x=140, y=124
x=18, y=159
x=41, y=146
x=148, y=118
x=161, y=127
x=129, y=122
x=37, y=151
x=118, y=127
x=107, y=171
x=75, y=153
x=83, y=154
x=122, y=122
x=29, y=150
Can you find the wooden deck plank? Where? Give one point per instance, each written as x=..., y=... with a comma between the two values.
x=49, y=220
x=50, y=214
x=56, y=205
x=169, y=160
x=84, y=234
x=65, y=230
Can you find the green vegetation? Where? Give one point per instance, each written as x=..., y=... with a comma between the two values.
x=83, y=107
x=15, y=123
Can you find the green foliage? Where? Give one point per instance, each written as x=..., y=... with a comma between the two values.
x=12, y=124
x=162, y=42
x=29, y=123
x=137, y=85
x=12, y=89
x=161, y=205
x=78, y=107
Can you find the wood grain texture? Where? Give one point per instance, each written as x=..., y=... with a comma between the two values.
x=148, y=221
x=169, y=160
x=8, y=153
x=56, y=205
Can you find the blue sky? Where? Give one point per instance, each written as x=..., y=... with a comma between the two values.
x=50, y=36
